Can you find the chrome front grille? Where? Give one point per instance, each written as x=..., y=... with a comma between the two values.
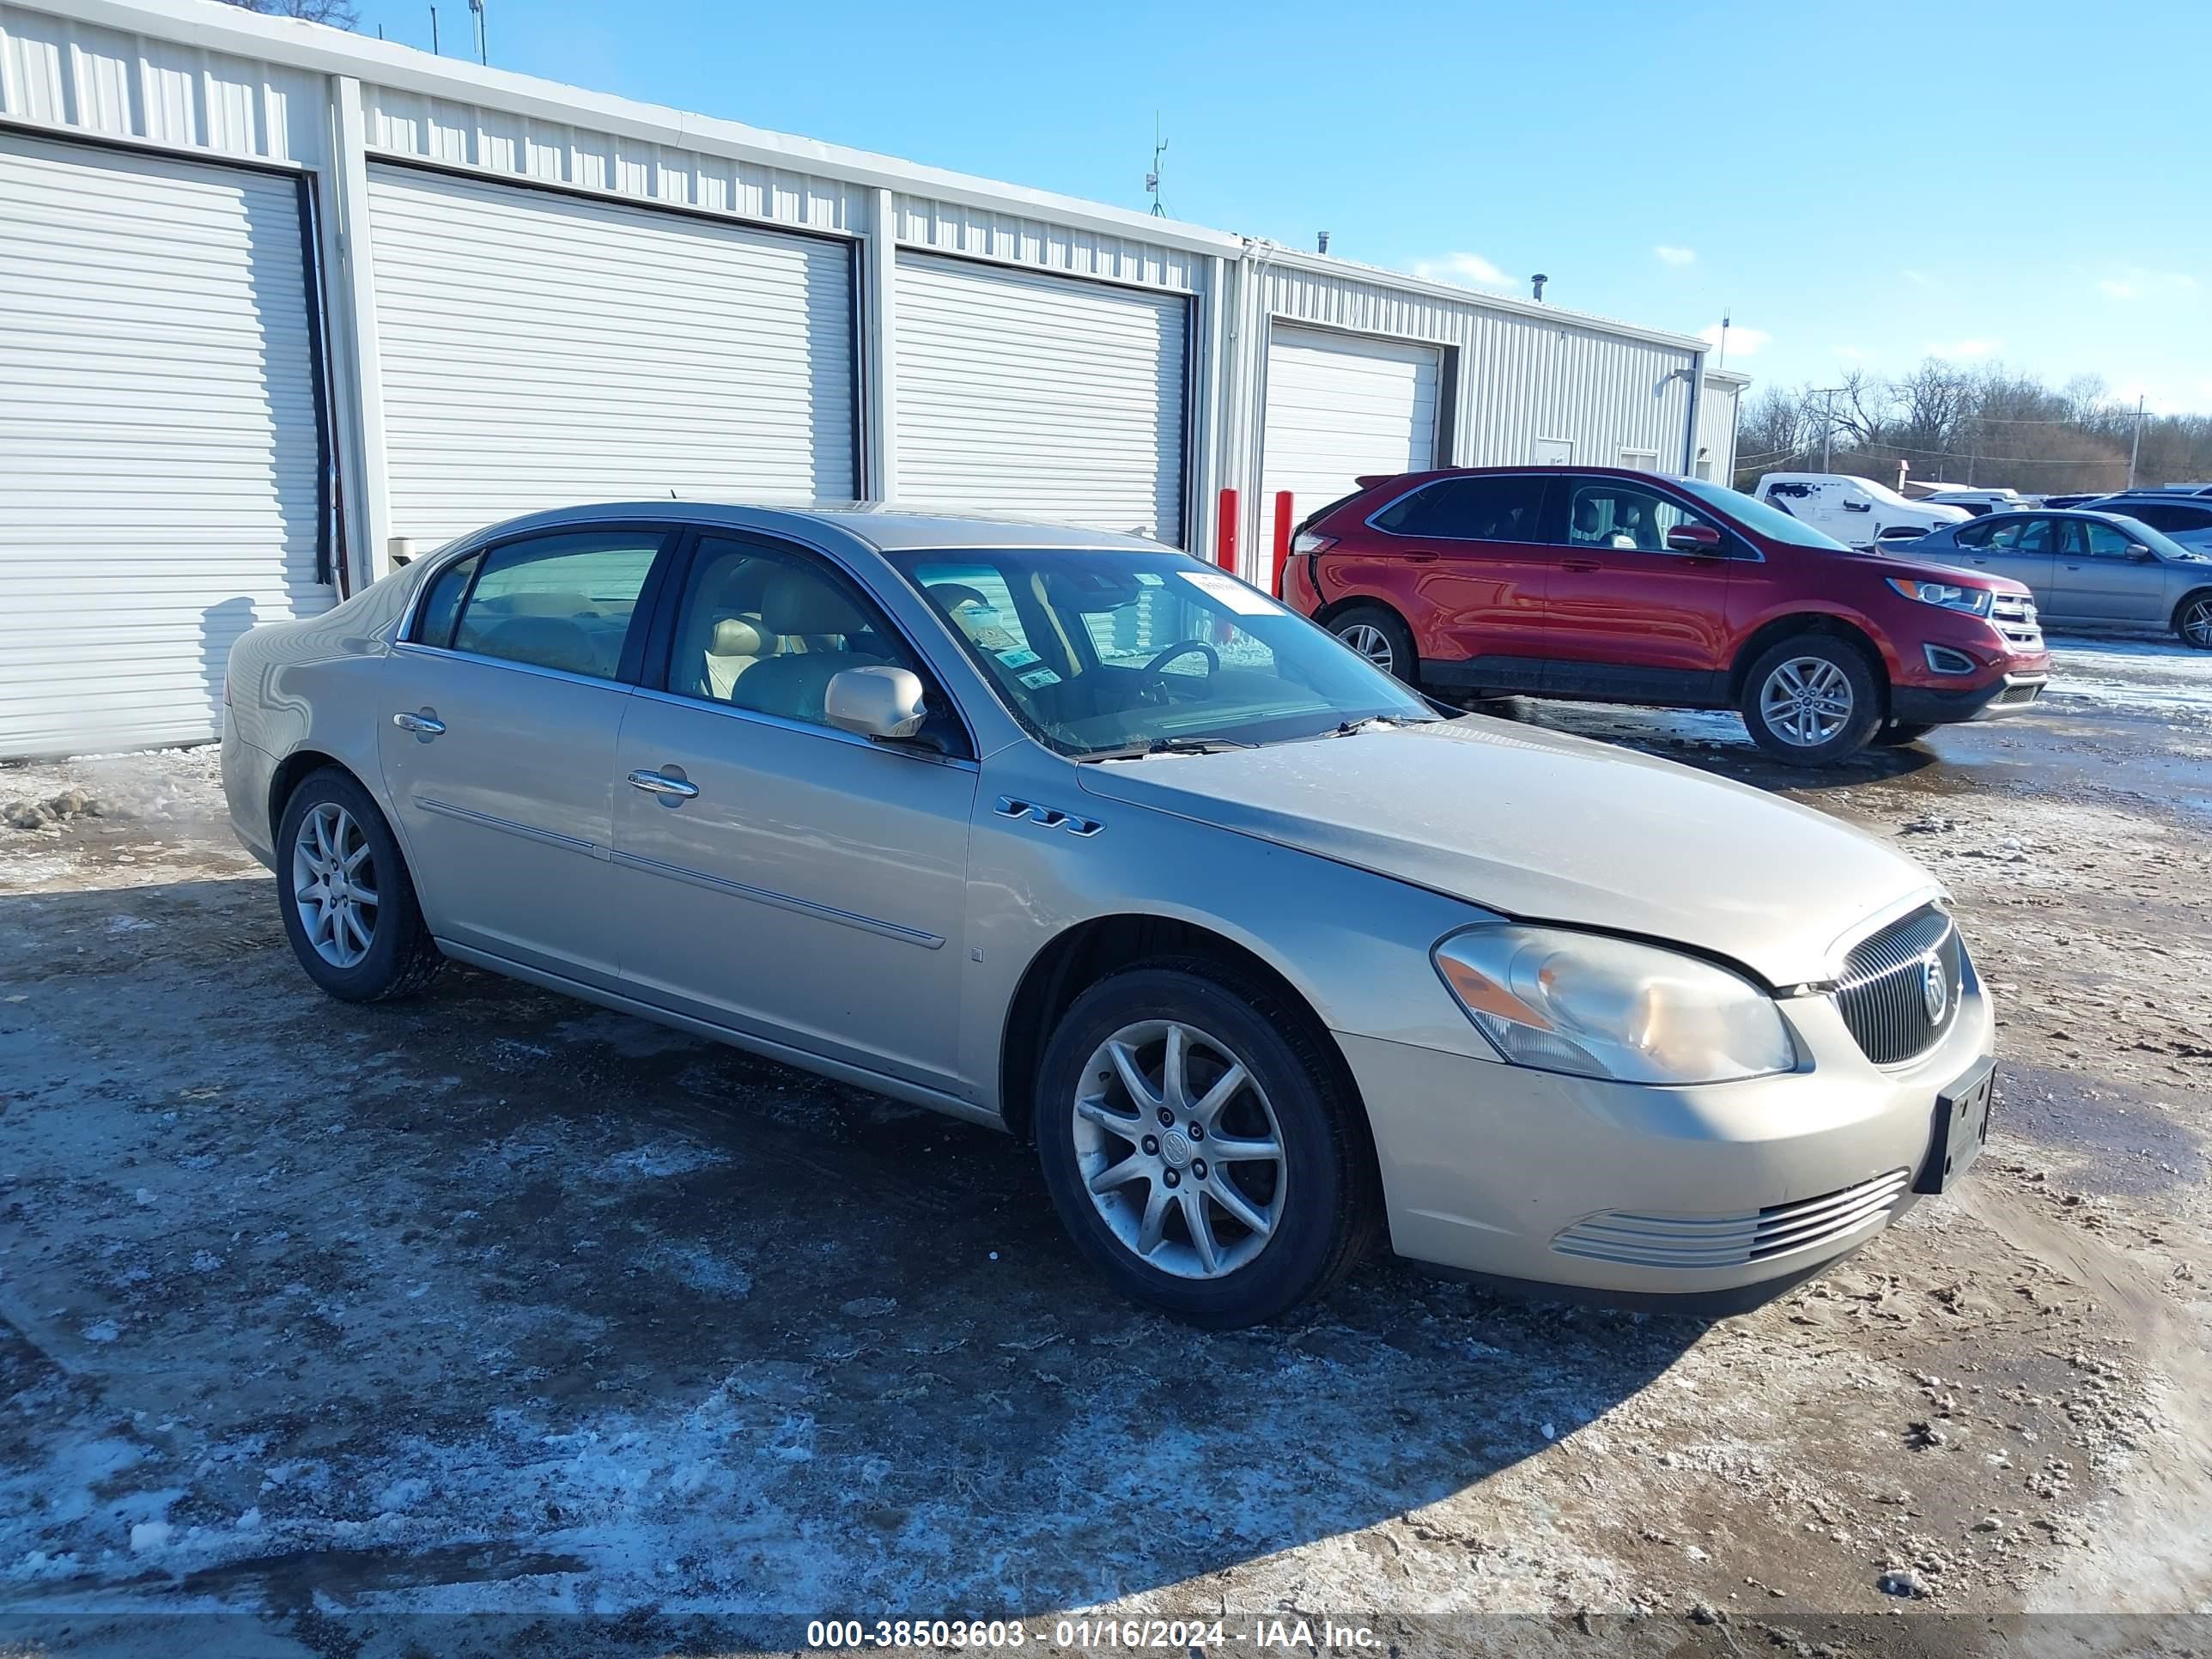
x=2015, y=618
x=1889, y=985
x=1732, y=1241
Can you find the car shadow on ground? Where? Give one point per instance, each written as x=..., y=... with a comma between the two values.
x=494, y=1289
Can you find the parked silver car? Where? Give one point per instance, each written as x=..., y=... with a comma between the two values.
x=2086, y=568
x=1071, y=835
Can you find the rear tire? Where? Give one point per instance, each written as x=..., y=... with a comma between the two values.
x=1380, y=634
x=1812, y=700
x=348, y=901
x=1899, y=733
x=1183, y=1026
x=2192, y=621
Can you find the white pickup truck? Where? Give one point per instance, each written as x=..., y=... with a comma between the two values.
x=1858, y=512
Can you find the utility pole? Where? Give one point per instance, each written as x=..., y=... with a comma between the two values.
x=1828, y=421
x=2135, y=449
x=477, y=7
x=433, y=31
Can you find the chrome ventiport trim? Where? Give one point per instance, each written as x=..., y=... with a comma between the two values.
x=1050, y=816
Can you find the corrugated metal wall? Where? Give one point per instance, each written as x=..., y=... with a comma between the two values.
x=1716, y=423
x=1519, y=377
x=58, y=72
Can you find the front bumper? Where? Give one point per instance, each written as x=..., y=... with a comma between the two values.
x=2008, y=694
x=1638, y=1194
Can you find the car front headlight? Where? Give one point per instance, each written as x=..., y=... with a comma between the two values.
x=1596, y=1006
x=1951, y=596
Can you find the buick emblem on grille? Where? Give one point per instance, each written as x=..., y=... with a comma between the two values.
x=1935, y=988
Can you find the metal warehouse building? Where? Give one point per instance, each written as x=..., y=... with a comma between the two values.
x=277, y=303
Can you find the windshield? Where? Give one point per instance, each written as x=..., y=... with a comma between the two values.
x=1758, y=517
x=1110, y=653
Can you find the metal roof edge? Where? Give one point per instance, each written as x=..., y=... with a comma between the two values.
x=1329, y=265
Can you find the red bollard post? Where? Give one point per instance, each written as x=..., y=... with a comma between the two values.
x=1225, y=533
x=1282, y=539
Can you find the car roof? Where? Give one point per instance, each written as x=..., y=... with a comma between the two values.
x=887, y=527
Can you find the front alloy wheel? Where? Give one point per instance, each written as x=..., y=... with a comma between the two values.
x=1179, y=1150
x=1812, y=699
x=1806, y=702
x=1201, y=1143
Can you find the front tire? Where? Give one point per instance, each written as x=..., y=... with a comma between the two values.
x=1200, y=1148
x=1812, y=700
x=2192, y=621
x=1379, y=634
x=348, y=901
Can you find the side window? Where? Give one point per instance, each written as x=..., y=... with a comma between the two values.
x=562, y=601
x=442, y=604
x=1504, y=508
x=765, y=628
x=2038, y=536
x=1616, y=514
x=2106, y=541
x=1977, y=534
x=2005, y=537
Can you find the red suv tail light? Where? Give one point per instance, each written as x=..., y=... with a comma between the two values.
x=1307, y=541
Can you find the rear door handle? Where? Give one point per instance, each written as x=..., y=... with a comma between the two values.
x=659, y=783
x=1580, y=564
x=425, y=725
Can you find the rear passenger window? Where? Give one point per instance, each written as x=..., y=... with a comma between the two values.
x=561, y=602
x=1486, y=509
x=433, y=622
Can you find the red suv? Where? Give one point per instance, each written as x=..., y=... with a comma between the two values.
x=1619, y=586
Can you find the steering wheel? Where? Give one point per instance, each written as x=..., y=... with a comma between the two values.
x=1151, y=671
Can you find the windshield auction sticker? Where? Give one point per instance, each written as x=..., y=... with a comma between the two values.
x=1231, y=592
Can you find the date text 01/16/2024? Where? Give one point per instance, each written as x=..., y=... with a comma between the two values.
x=1171, y=1635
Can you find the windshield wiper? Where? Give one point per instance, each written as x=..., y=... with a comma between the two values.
x=1349, y=728
x=1168, y=746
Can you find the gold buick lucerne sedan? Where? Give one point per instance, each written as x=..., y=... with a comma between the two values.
x=1073, y=836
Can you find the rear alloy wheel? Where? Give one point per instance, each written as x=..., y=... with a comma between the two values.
x=2193, y=621
x=349, y=904
x=1197, y=1147
x=1378, y=635
x=1811, y=699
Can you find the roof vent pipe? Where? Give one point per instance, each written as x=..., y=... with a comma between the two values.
x=1321, y=243
x=1536, y=286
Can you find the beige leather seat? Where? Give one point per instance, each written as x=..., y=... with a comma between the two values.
x=737, y=644
x=798, y=606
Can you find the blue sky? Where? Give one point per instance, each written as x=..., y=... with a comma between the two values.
x=2028, y=181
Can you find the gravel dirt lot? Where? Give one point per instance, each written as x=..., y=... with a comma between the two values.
x=333, y=1317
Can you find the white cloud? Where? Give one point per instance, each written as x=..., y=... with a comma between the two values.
x=1963, y=347
x=1676, y=256
x=1471, y=270
x=1742, y=342
x=2137, y=283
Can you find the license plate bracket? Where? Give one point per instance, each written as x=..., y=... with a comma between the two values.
x=1962, y=1127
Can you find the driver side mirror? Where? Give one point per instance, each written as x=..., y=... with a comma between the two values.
x=2141, y=554
x=881, y=702
x=1693, y=539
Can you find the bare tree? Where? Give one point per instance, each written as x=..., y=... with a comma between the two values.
x=338, y=14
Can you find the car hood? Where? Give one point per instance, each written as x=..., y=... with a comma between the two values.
x=1541, y=826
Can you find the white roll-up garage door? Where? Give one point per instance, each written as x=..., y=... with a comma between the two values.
x=161, y=448
x=1040, y=397
x=541, y=349
x=1339, y=406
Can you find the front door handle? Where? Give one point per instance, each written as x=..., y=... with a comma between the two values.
x=1579, y=564
x=425, y=725
x=672, y=789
